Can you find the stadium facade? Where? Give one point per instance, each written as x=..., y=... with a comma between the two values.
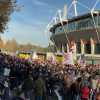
x=80, y=29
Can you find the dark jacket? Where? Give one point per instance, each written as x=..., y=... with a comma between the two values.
x=28, y=85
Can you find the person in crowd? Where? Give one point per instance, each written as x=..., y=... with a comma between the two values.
x=28, y=87
x=38, y=79
x=98, y=96
x=75, y=89
x=67, y=85
x=40, y=88
x=6, y=95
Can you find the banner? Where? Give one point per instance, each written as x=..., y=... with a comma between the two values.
x=82, y=60
x=59, y=58
x=34, y=56
x=51, y=57
x=68, y=58
x=63, y=50
x=24, y=55
x=67, y=48
x=74, y=51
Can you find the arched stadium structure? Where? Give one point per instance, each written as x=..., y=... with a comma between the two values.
x=79, y=28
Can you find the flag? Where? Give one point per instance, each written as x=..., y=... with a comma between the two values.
x=74, y=52
x=63, y=51
x=67, y=48
x=92, y=46
x=34, y=56
x=82, y=47
x=68, y=58
x=82, y=60
x=51, y=57
x=58, y=50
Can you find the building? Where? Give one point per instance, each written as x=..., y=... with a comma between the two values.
x=80, y=28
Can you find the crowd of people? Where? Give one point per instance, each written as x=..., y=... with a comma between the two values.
x=24, y=80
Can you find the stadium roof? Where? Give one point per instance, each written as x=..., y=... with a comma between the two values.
x=76, y=18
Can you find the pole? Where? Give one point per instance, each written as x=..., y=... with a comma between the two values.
x=95, y=5
x=59, y=12
x=75, y=7
x=95, y=27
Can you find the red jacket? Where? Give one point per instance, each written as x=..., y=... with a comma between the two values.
x=85, y=92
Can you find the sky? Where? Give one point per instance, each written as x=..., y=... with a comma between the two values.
x=29, y=24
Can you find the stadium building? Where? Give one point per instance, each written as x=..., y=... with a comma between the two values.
x=83, y=30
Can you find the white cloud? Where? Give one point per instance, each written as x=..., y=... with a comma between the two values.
x=39, y=3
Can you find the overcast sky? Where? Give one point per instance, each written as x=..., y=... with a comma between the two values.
x=29, y=24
